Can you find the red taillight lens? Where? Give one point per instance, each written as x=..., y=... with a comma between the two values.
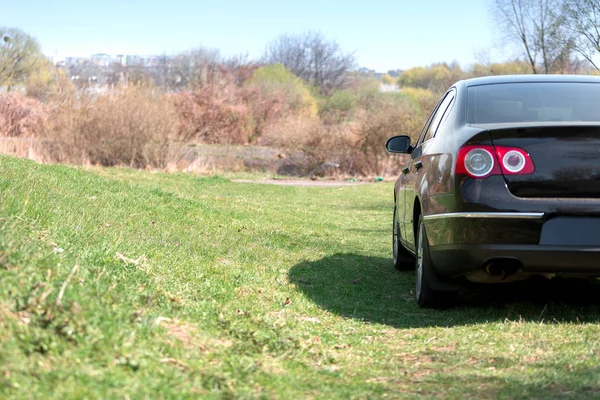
x=477, y=162
x=481, y=161
x=514, y=161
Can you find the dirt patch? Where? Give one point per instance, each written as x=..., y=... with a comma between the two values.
x=300, y=182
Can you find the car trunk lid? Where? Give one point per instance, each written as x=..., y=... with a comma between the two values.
x=566, y=159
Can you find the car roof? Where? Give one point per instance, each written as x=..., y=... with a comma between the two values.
x=496, y=79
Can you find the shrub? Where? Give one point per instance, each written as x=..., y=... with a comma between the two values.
x=133, y=125
x=216, y=112
x=515, y=67
x=422, y=101
x=21, y=116
x=45, y=81
x=276, y=80
x=136, y=126
x=211, y=118
x=388, y=80
x=436, y=78
x=266, y=109
x=312, y=143
x=338, y=107
x=375, y=128
x=353, y=129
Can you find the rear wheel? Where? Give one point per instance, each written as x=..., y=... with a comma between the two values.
x=403, y=260
x=427, y=294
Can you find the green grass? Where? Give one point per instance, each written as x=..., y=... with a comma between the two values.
x=126, y=284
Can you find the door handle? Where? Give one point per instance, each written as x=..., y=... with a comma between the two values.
x=418, y=165
x=405, y=170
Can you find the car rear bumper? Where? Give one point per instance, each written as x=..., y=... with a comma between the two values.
x=458, y=260
x=465, y=242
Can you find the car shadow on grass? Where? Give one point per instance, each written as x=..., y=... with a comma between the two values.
x=369, y=289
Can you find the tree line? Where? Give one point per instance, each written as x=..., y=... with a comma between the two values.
x=320, y=62
x=552, y=36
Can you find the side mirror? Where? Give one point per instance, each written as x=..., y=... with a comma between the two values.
x=399, y=144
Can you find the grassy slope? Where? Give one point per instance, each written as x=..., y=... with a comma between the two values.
x=242, y=290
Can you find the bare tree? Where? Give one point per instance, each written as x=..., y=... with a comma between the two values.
x=313, y=58
x=537, y=26
x=20, y=56
x=240, y=67
x=582, y=18
x=193, y=69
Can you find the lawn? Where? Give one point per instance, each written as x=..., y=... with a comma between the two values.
x=117, y=283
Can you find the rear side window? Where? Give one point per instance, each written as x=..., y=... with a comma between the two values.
x=533, y=102
x=439, y=114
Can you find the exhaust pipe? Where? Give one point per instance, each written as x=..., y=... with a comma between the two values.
x=502, y=268
x=499, y=270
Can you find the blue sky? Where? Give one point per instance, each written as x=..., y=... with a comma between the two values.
x=383, y=34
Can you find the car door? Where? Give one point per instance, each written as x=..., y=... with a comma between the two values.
x=414, y=171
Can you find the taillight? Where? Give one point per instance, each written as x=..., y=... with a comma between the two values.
x=481, y=161
x=514, y=161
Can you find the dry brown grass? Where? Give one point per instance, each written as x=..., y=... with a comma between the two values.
x=27, y=147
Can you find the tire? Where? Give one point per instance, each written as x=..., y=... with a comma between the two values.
x=403, y=260
x=426, y=277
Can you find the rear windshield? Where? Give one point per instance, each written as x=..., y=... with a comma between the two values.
x=533, y=102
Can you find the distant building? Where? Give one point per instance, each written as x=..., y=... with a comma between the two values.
x=76, y=60
x=134, y=60
x=103, y=60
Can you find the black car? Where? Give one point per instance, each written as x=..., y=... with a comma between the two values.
x=502, y=184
